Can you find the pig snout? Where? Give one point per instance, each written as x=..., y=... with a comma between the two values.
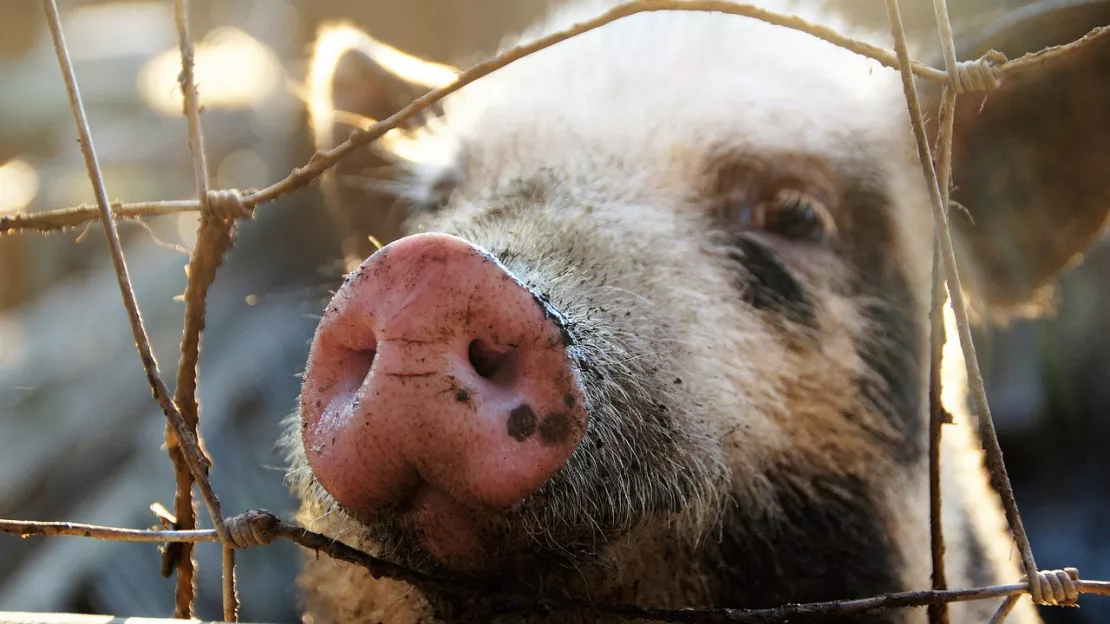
x=434, y=376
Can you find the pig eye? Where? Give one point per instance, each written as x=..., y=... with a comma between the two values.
x=796, y=215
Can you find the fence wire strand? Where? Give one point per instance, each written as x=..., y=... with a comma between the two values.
x=214, y=237
x=219, y=211
x=938, y=612
x=197, y=462
x=976, y=388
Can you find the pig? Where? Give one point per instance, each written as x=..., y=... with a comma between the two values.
x=655, y=327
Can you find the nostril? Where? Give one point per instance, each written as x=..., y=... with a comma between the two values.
x=363, y=361
x=486, y=360
x=353, y=367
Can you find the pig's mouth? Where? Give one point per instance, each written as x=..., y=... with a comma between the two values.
x=434, y=533
x=458, y=537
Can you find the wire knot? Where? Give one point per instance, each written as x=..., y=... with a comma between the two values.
x=1056, y=587
x=254, y=528
x=228, y=205
x=980, y=74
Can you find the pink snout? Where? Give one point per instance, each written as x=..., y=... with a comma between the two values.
x=435, y=373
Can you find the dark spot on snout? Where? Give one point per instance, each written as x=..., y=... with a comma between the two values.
x=555, y=429
x=522, y=422
x=462, y=395
x=768, y=284
x=569, y=401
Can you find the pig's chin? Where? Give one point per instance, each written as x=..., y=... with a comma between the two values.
x=432, y=532
x=456, y=536
x=435, y=533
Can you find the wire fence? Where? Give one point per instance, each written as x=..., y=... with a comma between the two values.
x=222, y=210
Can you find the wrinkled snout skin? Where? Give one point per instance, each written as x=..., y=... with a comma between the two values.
x=658, y=335
x=438, y=383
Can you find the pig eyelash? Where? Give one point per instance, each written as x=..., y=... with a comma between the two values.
x=791, y=213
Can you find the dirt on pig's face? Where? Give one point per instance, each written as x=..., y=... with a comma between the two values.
x=726, y=219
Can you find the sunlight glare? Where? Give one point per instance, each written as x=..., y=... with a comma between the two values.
x=233, y=70
x=19, y=184
x=335, y=40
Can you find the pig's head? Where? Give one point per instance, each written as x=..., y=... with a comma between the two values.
x=661, y=332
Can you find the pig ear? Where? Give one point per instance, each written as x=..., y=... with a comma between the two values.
x=355, y=80
x=1030, y=162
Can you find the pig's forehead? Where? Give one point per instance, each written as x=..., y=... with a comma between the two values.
x=650, y=91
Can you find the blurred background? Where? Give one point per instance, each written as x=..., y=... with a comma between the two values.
x=79, y=434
